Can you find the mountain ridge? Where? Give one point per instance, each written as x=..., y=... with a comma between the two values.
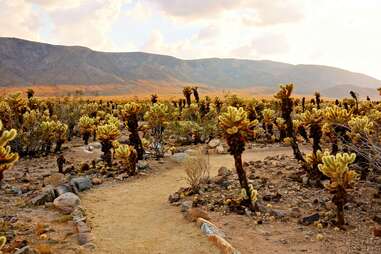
x=27, y=63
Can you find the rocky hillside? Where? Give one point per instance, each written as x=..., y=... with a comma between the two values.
x=25, y=63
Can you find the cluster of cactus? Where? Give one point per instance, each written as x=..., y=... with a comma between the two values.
x=7, y=157
x=336, y=167
x=128, y=157
x=237, y=128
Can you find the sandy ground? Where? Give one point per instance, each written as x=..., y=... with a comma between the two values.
x=135, y=217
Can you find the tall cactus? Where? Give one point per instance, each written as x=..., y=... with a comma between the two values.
x=284, y=95
x=7, y=158
x=129, y=112
x=341, y=178
x=237, y=128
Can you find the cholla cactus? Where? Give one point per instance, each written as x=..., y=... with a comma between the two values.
x=253, y=194
x=360, y=128
x=60, y=135
x=157, y=118
x=187, y=91
x=5, y=113
x=335, y=127
x=128, y=156
x=86, y=127
x=129, y=112
x=237, y=129
x=268, y=118
x=7, y=158
x=3, y=241
x=107, y=134
x=313, y=121
x=341, y=178
x=48, y=134
x=284, y=95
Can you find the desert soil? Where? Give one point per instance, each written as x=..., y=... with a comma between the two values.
x=135, y=217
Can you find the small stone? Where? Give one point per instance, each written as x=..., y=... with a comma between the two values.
x=377, y=231
x=23, y=250
x=194, y=213
x=180, y=157
x=81, y=183
x=84, y=238
x=295, y=212
x=67, y=202
x=280, y=214
x=220, y=149
x=377, y=218
x=222, y=244
x=224, y=171
x=175, y=197
x=142, y=165
x=319, y=237
x=307, y=220
x=96, y=181
x=214, y=143
x=185, y=206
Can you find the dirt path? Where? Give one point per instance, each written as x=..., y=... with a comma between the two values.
x=135, y=217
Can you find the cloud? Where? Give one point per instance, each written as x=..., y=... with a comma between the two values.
x=17, y=19
x=257, y=12
x=208, y=32
x=267, y=46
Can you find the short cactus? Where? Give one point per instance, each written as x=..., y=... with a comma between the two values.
x=107, y=134
x=7, y=158
x=128, y=156
x=341, y=178
x=87, y=127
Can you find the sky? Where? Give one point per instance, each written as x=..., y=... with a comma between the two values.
x=341, y=33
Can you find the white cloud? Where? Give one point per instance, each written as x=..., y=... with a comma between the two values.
x=17, y=19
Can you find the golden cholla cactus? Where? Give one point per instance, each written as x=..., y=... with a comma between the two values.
x=157, y=115
x=90, y=109
x=336, y=168
x=128, y=156
x=337, y=115
x=285, y=91
x=237, y=127
x=5, y=112
x=107, y=132
x=129, y=109
x=268, y=115
x=3, y=241
x=61, y=131
x=360, y=128
x=235, y=121
x=110, y=119
x=7, y=158
x=253, y=194
x=86, y=124
x=313, y=116
x=17, y=102
x=48, y=131
x=341, y=178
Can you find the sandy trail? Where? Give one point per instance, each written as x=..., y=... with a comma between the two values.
x=135, y=217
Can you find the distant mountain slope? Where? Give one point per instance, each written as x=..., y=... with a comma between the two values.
x=24, y=63
x=342, y=91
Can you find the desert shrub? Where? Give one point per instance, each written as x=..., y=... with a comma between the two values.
x=197, y=170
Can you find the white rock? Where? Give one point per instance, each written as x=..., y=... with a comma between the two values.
x=214, y=143
x=67, y=202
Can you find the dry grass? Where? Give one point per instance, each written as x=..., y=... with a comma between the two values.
x=197, y=170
